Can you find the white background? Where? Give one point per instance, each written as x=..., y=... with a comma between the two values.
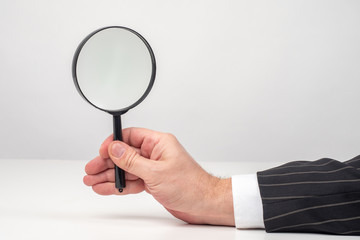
x=237, y=80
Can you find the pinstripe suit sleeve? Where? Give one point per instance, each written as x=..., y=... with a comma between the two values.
x=321, y=196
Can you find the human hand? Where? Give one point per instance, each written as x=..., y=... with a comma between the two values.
x=157, y=163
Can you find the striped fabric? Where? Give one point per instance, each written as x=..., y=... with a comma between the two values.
x=321, y=196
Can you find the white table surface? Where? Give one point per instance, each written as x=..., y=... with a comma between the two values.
x=46, y=199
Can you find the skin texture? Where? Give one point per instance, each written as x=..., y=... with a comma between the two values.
x=157, y=163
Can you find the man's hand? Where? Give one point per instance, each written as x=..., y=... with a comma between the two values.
x=157, y=163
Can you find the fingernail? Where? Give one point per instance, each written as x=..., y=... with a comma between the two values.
x=117, y=150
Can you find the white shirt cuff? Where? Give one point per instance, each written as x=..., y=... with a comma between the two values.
x=248, y=211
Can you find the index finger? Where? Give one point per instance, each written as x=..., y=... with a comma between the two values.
x=135, y=137
x=143, y=139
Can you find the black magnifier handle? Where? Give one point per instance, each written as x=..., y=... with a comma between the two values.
x=119, y=173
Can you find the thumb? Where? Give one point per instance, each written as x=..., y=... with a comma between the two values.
x=126, y=158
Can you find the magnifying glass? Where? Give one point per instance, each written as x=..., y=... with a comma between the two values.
x=114, y=70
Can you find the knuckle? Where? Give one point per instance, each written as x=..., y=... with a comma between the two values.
x=170, y=136
x=109, y=175
x=130, y=160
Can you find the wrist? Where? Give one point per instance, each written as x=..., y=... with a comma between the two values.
x=219, y=208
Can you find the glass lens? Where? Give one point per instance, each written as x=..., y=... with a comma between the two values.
x=114, y=69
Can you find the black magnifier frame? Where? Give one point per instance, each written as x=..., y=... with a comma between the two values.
x=119, y=173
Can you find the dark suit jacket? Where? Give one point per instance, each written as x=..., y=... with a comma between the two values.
x=320, y=196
